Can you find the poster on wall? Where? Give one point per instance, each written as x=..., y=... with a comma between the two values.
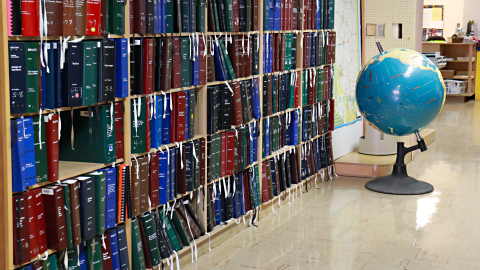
x=348, y=61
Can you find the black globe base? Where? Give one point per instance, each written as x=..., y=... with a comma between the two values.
x=399, y=183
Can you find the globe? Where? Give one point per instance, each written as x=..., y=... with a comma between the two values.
x=400, y=92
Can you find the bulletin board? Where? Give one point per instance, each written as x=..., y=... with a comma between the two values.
x=433, y=16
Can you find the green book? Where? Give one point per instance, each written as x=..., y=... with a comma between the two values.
x=50, y=263
x=116, y=17
x=90, y=77
x=321, y=88
x=93, y=254
x=215, y=15
x=264, y=138
x=305, y=88
x=169, y=13
x=170, y=232
x=231, y=72
x=200, y=15
x=182, y=233
x=94, y=136
x=266, y=16
x=244, y=150
x=100, y=180
x=210, y=216
x=276, y=132
x=217, y=154
x=186, y=62
x=322, y=49
x=257, y=179
x=32, y=66
x=138, y=259
x=288, y=51
x=331, y=12
x=150, y=231
x=228, y=15
x=248, y=12
x=73, y=259
x=138, y=126
x=291, y=90
x=41, y=166
x=274, y=93
x=68, y=217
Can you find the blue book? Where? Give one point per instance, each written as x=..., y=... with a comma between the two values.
x=312, y=49
x=81, y=257
x=114, y=249
x=256, y=112
x=271, y=10
x=29, y=147
x=163, y=15
x=156, y=17
x=19, y=179
x=220, y=73
x=57, y=75
x=163, y=176
x=49, y=78
x=166, y=122
x=159, y=116
x=294, y=128
x=155, y=125
x=187, y=98
x=217, y=204
x=242, y=193
x=270, y=53
x=44, y=94
x=287, y=134
x=267, y=137
x=255, y=142
x=110, y=204
x=264, y=54
x=169, y=193
x=173, y=174
x=121, y=67
x=196, y=64
x=28, y=267
x=277, y=18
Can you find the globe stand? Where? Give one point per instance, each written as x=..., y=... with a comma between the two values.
x=399, y=183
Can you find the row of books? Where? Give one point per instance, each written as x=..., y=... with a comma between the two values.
x=279, y=52
x=279, y=173
x=232, y=15
x=233, y=196
x=281, y=15
x=319, y=48
x=316, y=155
x=167, y=16
x=316, y=85
x=317, y=119
x=319, y=14
x=231, y=151
x=232, y=104
x=161, y=64
x=61, y=216
x=90, y=72
x=92, y=18
x=280, y=131
x=280, y=92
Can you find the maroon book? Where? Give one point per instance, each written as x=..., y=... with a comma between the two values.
x=107, y=253
x=265, y=196
x=154, y=178
x=119, y=129
x=202, y=160
x=177, y=63
x=32, y=220
x=181, y=116
x=203, y=61
x=230, y=152
x=41, y=227
x=147, y=125
x=21, y=229
x=223, y=154
x=181, y=171
x=55, y=214
x=148, y=66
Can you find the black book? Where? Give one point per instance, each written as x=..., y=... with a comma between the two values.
x=209, y=159
x=265, y=96
x=273, y=172
x=137, y=73
x=328, y=149
x=226, y=108
x=249, y=99
x=192, y=18
x=221, y=15
x=165, y=252
x=87, y=207
x=177, y=16
x=191, y=116
x=189, y=169
x=18, y=76
x=150, y=16
x=245, y=107
x=186, y=13
x=163, y=230
x=294, y=51
x=210, y=216
x=123, y=247
x=255, y=55
x=223, y=201
x=158, y=65
x=242, y=14
x=194, y=216
x=198, y=164
x=16, y=17
x=107, y=67
x=132, y=65
x=218, y=89
x=288, y=170
x=72, y=76
x=210, y=109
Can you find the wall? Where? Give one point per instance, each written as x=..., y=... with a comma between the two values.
x=471, y=11
x=345, y=139
x=453, y=13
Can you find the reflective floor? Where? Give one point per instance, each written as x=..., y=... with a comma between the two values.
x=342, y=225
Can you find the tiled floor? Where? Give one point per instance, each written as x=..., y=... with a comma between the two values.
x=342, y=225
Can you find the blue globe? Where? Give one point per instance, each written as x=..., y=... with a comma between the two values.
x=400, y=91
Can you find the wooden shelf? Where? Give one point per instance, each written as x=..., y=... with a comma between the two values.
x=460, y=95
x=459, y=61
x=462, y=77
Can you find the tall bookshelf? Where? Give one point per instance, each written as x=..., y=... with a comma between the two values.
x=73, y=169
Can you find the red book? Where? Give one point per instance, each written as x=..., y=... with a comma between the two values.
x=181, y=114
x=119, y=129
x=148, y=68
x=148, y=140
x=93, y=17
x=332, y=114
x=236, y=17
x=132, y=17
x=29, y=18
x=55, y=214
x=32, y=220
x=296, y=90
x=326, y=84
x=154, y=178
x=313, y=7
x=21, y=229
x=51, y=129
x=177, y=63
x=173, y=117
x=265, y=196
x=107, y=252
x=230, y=155
x=203, y=62
x=305, y=6
x=282, y=14
x=246, y=190
x=202, y=160
x=223, y=154
x=146, y=253
x=238, y=154
x=41, y=228
x=181, y=171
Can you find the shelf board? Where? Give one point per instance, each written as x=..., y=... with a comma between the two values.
x=57, y=38
x=459, y=61
x=461, y=95
x=462, y=77
x=447, y=43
